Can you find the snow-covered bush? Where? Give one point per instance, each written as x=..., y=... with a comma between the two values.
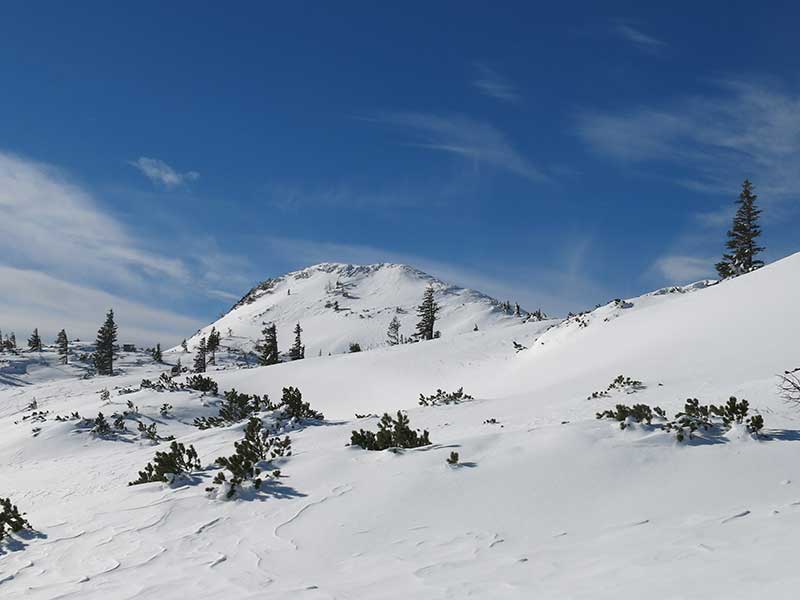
x=150, y=432
x=639, y=413
x=101, y=426
x=442, y=397
x=200, y=383
x=694, y=417
x=11, y=518
x=251, y=460
x=236, y=407
x=168, y=466
x=294, y=407
x=453, y=459
x=621, y=383
x=392, y=433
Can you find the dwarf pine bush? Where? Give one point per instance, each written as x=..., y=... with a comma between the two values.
x=201, y=383
x=168, y=466
x=294, y=407
x=694, y=417
x=234, y=408
x=11, y=519
x=442, y=397
x=392, y=433
x=620, y=383
x=251, y=460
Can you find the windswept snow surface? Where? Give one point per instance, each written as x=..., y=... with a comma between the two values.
x=548, y=503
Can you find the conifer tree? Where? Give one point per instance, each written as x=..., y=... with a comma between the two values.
x=35, y=342
x=517, y=311
x=106, y=346
x=393, y=333
x=213, y=341
x=427, y=315
x=12, y=341
x=184, y=347
x=297, y=351
x=200, y=357
x=742, y=237
x=268, y=349
x=62, y=343
x=157, y=356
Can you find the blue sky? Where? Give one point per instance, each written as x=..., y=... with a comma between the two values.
x=164, y=157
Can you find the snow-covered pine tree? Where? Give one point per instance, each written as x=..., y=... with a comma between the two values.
x=427, y=315
x=35, y=341
x=62, y=343
x=268, y=349
x=184, y=347
x=106, y=346
x=2, y=343
x=517, y=311
x=157, y=356
x=742, y=237
x=393, y=333
x=200, y=357
x=12, y=341
x=297, y=351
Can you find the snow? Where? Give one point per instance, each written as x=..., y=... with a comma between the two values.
x=549, y=503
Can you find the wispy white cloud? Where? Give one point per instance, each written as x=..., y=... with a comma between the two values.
x=35, y=299
x=491, y=83
x=51, y=223
x=161, y=173
x=677, y=269
x=626, y=31
x=463, y=136
x=55, y=235
x=712, y=141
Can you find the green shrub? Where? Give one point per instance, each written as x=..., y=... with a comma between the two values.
x=294, y=407
x=11, y=518
x=442, y=397
x=168, y=466
x=694, y=417
x=234, y=408
x=392, y=433
x=257, y=447
x=201, y=383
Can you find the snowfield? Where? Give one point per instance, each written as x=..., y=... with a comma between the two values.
x=549, y=502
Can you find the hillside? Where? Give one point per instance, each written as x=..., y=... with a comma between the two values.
x=549, y=501
x=338, y=304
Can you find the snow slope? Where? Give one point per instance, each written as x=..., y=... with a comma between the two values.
x=549, y=503
x=366, y=299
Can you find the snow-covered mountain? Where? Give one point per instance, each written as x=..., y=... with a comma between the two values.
x=338, y=304
x=549, y=502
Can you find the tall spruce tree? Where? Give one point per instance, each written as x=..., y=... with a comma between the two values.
x=268, y=349
x=741, y=243
x=12, y=342
x=213, y=343
x=297, y=351
x=157, y=356
x=62, y=344
x=2, y=343
x=393, y=333
x=35, y=341
x=427, y=315
x=200, y=358
x=106, y=346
